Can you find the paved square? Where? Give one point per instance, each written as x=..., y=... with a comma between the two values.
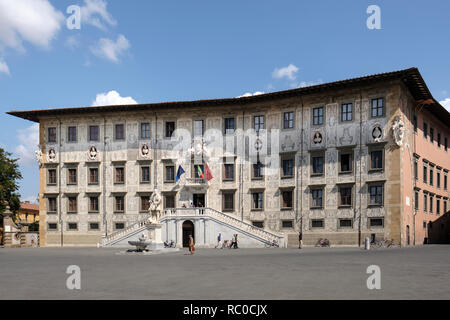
x=311, y=273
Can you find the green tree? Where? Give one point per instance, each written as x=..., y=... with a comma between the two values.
x=9, y=176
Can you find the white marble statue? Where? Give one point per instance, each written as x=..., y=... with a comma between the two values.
x=38, y=154
x=92, y=153
x=398, y=130
x=154, y=206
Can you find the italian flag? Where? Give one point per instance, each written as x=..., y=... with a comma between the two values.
x=200, y=172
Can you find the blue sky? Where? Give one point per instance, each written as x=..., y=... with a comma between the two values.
x=150, y=51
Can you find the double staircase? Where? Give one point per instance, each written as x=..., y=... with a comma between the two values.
x=243, y=227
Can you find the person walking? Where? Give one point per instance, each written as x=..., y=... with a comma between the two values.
x=236, y=241
x=300, y=240
x=191, y=245
x=219, y=239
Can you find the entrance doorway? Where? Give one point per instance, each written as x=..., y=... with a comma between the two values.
x=188, y=229
x=199, y=200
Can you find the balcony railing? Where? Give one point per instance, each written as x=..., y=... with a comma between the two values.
x=196, y=182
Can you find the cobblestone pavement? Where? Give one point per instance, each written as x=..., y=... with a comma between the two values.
x=310, y=273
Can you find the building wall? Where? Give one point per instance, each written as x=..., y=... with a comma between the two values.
x=355, y=136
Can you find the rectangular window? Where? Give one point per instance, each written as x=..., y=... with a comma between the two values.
x=318, y=116
x=377, y=107
x=347, y=112
x=376, y=222
x=287, y=224
x=424, y=225
x=72, y=204
x=288, y=120
x=288, y=167
x=120, y=175
x=425, y=130
x=145, y=174
x=415, y=123
x=431, y=176
x=93, y=175
x=93, y=133
x=145, y=130
x=169, y=201
x=72, y=226
x=119, y=226
x=199, y=128
x=72, y=134
x=317, y=223
x=72, y=176
x=317, y=198
x=416, y=170
x=431, y=204
x=345, y=223
x=257, y=170
x=376, y=195
x=286, y=200
x=52, y=205
x=119, y=132
x=317, y=165
x=438, y=140
x=346, y=162
x=425, y=202
x=119, y=204
x=52, y=226
x=145, y=203
x=445, y=206
x=170, y=173
x=438, y=180
x=431, y=134
x=376, y=160
x=52, y=134
x=228, y=171
x=228, y=201
x=93, y=204
x=51, y=176
x=416, y=200
x=170, y=129
x=257, y=203
x=445, y=182
x=229, y=125
x=258, y=123
x=258, y=224
x=425, y=176
x=345, y=195
x=94, y=226
x=438, y=206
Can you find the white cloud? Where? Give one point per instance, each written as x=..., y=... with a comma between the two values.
x=112, y=98
x=4, y=67
x=248, y=94
x=303, y=84
x=72, y=42
x=29, y=141
x=35, y=21
x=446, y=104
x=111, y=50
x=288, y=72
x=94, y=12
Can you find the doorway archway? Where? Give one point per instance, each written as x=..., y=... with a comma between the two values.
x=188, y=229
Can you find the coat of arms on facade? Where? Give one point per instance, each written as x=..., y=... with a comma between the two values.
x=377, y=134
x=92, y=153
x=145, y=150
x=288, y=144
x=51, y=155
x=346, y=138
x=317, y=139
x=258, y=145
x=398, y=130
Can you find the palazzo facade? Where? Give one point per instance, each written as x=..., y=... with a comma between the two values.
x=343, y=161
